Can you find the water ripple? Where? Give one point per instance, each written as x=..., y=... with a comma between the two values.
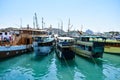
x=28, y=67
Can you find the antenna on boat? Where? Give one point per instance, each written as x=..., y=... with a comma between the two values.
x=36, y=21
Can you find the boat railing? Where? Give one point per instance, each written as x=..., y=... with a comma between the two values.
x=17, y=47
x=66, y=43
x=28, y=46
x=85, y=43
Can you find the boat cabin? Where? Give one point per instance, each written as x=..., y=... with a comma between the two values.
x=65, y=41
x=64, y=46
x=92, y=38
x=90, y=46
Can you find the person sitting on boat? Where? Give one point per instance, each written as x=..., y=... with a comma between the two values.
x=0, y=39
x=6, y=39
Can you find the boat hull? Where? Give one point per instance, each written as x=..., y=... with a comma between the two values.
x=7, y=52
x=112, y=46
x=65, y=53
x=86, y=53
x=42, y=50
x=89, y=49
x=112, y=50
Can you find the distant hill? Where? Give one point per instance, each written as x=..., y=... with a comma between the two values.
x=55, y=31
x=89, y=32
x=8, y=29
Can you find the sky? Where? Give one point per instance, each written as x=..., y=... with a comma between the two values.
x=96, y=15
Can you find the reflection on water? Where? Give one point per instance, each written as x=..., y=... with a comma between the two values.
x=111, y=67
x=29, y=67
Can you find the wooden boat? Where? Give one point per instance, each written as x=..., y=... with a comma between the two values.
x=63, y=48
x=15, y=42
x=43, y=44
x=91, y=49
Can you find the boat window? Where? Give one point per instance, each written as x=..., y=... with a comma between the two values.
x=90, y=48
x=41, y=32
x=83, y=47
x=65, y=40
x=78, y=46
x=119, y=44
x=84, y=39
x=113, y=44
x=0, y=33
x=107, y=44
x=33, y=33
x=69, y=40
x=5, y=33
x=60, y=40
x=86, y=48
x=21, y=31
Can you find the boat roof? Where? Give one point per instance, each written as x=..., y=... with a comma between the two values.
x=93, y=37
x=34, y=29
x=25, y=29
x=41, y=36
x=65, y=38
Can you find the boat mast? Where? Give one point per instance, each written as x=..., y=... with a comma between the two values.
x=61, y=26
x=42, y=22
x=81, y=29
x=36, y=21
x=20, y=23
x=69, y=25
x=58, y=28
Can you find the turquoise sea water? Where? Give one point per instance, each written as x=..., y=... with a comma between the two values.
x=50, y=67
